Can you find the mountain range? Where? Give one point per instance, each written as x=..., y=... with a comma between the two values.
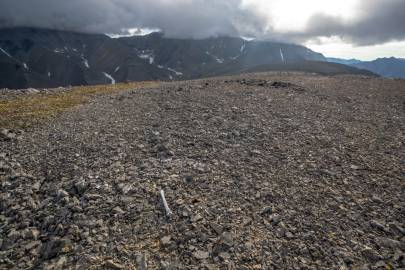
x=387, y=67
x=43, y=58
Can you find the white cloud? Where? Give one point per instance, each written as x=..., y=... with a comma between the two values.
x=287, y=15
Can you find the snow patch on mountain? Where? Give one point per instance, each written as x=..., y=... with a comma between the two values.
x=242, y=48
x=49, y=74
x=109, y=77
x=147, y=55
x=6, y=53
x=85, y=62
x=218, y=59
x=116, y=69
x=178, y=73
x=25, y=66
x=282, y=55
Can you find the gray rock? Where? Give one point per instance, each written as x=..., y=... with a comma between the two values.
x=32, y=245
x=280, y=232
x=141, y=261
x=354, y=167
x=377, y=225
x=267, y=210
x=7, y=135
x=117, y=210
x=188, y=178
x=165, y=265
x=376, y=199
x=370, y=254
x=166, y=240
x=32, y=233
x=275, y=219
x=81, y=187
x=113, y=265
x=13, y=235
x=62, y=194
x=57, y=263
x=201, y=255
x=227, y=239
x=54, y=247
x=289, y=235
x=196, y=218
x=224, y=256
x=387, y=242
x=217, y=228
x=396, y=228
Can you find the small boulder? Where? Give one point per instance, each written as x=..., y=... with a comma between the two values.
x=201, y=255
x=113, y=265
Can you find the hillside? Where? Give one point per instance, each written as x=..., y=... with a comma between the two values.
x=261, y=171
x=41, y=58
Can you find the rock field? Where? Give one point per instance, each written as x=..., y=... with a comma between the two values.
x=261, y=171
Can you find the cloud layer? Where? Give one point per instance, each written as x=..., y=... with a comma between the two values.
x=376, y=22
x=180, y=18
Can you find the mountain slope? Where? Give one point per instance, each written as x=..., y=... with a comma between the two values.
x=46, y=58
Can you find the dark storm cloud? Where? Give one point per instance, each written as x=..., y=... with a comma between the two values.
x=376, y=21
x=185, y=18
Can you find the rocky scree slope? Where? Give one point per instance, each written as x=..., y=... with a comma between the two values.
x=261, y=171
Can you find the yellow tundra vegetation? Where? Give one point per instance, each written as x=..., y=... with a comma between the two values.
x=27, y=110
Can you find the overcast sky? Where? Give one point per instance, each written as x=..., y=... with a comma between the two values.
x=364, y=29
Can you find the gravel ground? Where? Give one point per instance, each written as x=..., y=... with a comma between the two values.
x=261, y=171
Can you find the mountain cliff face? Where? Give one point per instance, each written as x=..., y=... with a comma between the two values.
x=48, y=58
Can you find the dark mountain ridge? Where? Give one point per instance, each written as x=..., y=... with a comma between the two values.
x=195, y=58
x=31, y=57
